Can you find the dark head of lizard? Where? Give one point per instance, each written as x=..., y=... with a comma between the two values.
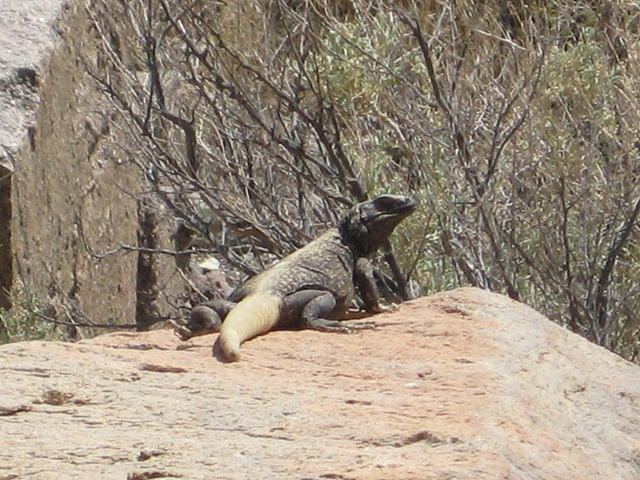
x=368, y=225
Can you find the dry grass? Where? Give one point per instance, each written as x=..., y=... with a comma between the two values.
x=514, y=123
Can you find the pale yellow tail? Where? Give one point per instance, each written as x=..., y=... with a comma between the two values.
x=253, y=316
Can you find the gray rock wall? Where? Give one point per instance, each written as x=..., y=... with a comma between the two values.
x=73, y=194
x=25, y=38
x=6, y=270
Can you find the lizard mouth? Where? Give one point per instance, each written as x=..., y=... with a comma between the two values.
x=398, y=208
x=390, y=216
x=407, y=208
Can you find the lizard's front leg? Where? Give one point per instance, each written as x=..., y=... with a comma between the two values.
x=366, y=284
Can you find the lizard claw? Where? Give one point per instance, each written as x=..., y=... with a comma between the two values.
x=351, y=327
x=324, y=325
x=203, y=320
x=386, y=309
x=182, y=332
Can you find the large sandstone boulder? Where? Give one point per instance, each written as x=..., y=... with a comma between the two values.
x=463, y=385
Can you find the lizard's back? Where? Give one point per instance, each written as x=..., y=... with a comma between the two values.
x=324, y=264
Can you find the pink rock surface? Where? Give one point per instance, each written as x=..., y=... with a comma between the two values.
x=462, y=385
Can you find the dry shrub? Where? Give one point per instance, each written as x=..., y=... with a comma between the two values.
x=514, y=123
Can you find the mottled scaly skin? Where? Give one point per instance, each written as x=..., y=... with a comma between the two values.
x=312, y=287
x=326, y=264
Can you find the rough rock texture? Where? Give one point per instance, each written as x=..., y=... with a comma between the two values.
x=463, y=385
x=25, y=38
x=68, y=194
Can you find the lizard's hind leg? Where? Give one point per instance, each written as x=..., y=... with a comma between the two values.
x=314, y=313
x=205, y=318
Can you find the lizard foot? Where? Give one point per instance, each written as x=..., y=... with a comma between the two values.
x=360, y=326
x=386, y=309
x=324, y=325
x=203, y=320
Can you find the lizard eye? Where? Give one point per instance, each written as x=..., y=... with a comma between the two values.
x=385, y=203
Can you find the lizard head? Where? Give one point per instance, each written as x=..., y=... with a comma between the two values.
x=368, y=225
